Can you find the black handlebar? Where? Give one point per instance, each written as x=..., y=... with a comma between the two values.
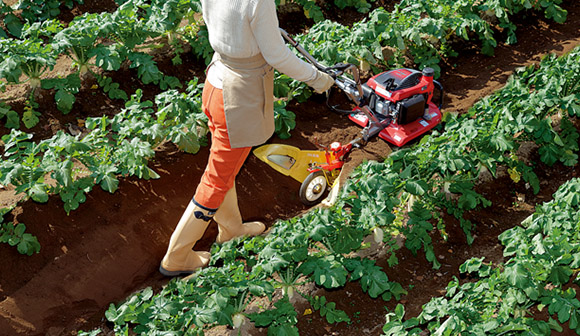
x=353, y=88
x=337, y=69
x=440, y=87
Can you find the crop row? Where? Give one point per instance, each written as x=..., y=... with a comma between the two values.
x=13, y=19
x=420, y=33
x=314, y=248
x=438, y=173
x=111, y=147
x=95, y=43
x=544, y=258
x=312, y=10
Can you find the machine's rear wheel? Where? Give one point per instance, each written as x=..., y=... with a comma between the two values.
x=313, y=188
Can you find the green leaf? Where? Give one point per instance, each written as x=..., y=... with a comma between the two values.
x=501, y=142
x=19, y=230
x=574, y=109
x=63, y=173
x=12, y=118
x=327, y=271
x=109, y=183
x=346, y=240
x=28, y=244
x=168, y=82
x=281, y=319
x=556, y=12
x=560, y=275
x=416, y=187
x=64, y=100
x=113, y=315
x=147, y=69
x=186, y=141
x=107, y=57
x=554, y=325
x=396, y=290
x=531, y=177
x=30, y=118
x=95, y=332
x=372, y=279
x=488, y=47
x=284, y=120
x=375, y=282
x=516, y=275
x=471, y=265
x=332, y=314
x=283, y=330
x=38, y=193
x=407, y=172
x=13, y=24
x=549, y=154
x=10, y=70
x=320, y=231
x=563, y=314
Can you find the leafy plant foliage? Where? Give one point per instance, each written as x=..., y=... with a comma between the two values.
x=544, y=257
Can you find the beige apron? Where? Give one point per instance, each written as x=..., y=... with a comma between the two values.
x=248, y=89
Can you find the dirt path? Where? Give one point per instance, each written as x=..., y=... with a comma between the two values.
x=111, y=246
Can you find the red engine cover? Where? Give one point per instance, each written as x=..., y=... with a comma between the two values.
x=399, y=135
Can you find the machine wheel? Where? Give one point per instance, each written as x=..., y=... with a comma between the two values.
x=313, y=188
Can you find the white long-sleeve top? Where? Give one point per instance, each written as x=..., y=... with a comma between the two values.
x=245, y=28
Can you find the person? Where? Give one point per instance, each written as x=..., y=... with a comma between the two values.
x=238, y=100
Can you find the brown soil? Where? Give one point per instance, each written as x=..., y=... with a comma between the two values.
x=111, y=246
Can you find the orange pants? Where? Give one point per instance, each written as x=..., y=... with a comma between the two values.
x=224, y=162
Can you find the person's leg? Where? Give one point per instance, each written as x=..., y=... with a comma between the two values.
x=223, y=165
x=217, y=186
x=224, y=162
x=229, y=220
x=180, y=259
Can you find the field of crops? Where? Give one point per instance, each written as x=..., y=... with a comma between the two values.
x=470, y=230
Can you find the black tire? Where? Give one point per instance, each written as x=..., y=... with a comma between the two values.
x=313, y=188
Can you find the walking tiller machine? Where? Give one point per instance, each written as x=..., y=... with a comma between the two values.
x=396, y=105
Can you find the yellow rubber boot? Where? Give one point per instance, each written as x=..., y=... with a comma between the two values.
x=229, y=220
x=180, y=259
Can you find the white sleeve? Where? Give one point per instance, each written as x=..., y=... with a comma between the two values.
x=264, y=24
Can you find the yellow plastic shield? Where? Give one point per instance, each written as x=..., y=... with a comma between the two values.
x=289, y=160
